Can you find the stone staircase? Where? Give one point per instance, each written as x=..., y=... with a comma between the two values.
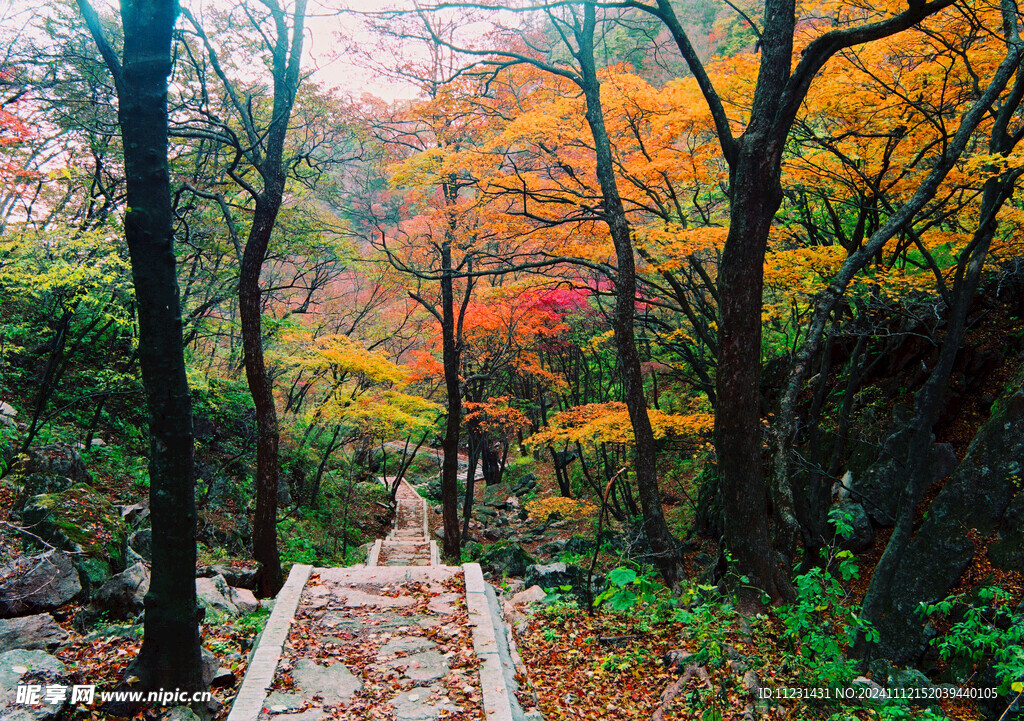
x=385, y=640
x=409, y=543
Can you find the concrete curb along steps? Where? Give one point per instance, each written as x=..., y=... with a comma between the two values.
x=497, y=681
x=260, y=675
x=371, y=561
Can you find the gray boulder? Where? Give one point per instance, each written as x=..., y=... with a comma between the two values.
x=863, y=534
x=284, y=494
x=549, y=576
x=79, y=519
x=553, y=576
x=35, y=484
x=908, y=678
x=433, y=489
x=524, y=484
x=34, y=584
x=30, y=632
x=235, y=577
x=244, y=599
x=214, y=594
x=122, y=597
x=58, y=459
x=1007, y=552
x=495, y=495
x=881, y=485
x=135, y=515
x=29, y=667
x=506, y=560
x=92, y=572
x=141, y=541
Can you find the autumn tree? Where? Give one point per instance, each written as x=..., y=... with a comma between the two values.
x=576, y=26
x=856, y=184
x=258, y=138
x=972, y=180
x=170, y=654
x=448, y=248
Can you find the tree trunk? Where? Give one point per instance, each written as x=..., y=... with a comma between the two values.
x=170, y=654
x=467, y=505
x=451, y=353
x=755, y=196
x=264, y=525
x=663, y=544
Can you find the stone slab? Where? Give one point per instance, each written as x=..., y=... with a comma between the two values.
x=414, y=705
x=374, y=554
x=496, y=701
x=474, y=577
x=443, y=604
x=386, y=574
x=405, y=645
x=355, y=598
x=423, y=667
x=333, y=683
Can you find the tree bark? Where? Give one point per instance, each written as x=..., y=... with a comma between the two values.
x=451, y=355
x=663, y=544
x=170, y=655
x=264, y=526
x=756, y=194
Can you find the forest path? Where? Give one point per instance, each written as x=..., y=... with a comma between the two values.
x=402, y=638
x=409, y=543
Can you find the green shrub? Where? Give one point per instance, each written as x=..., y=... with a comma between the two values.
x=820, y=623
x=989, y=633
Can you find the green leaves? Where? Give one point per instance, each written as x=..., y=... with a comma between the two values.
x=989, y=633
x=626, y=589
x=622, y=576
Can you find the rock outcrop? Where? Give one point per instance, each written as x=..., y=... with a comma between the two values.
x=36, y=584
x=983, y=495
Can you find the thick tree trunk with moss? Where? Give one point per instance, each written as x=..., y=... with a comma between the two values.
x=170, y=655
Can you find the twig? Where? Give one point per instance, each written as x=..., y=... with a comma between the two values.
x=597, y=539
x=1010, y=705
x=19, y=529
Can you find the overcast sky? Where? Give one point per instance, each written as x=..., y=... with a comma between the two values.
x=327, y=20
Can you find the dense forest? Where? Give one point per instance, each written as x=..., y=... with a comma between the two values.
x=698, y=323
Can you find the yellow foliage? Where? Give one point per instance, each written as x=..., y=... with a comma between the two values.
x=340, y=355
x=576, y=509
x=609, y=423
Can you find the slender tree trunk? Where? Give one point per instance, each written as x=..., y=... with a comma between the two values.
x=48, y=382
x=170, y=654
x=666, y=549
x=467, y=505
x=264, y=526
x=451, y=355
x=561, y=472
